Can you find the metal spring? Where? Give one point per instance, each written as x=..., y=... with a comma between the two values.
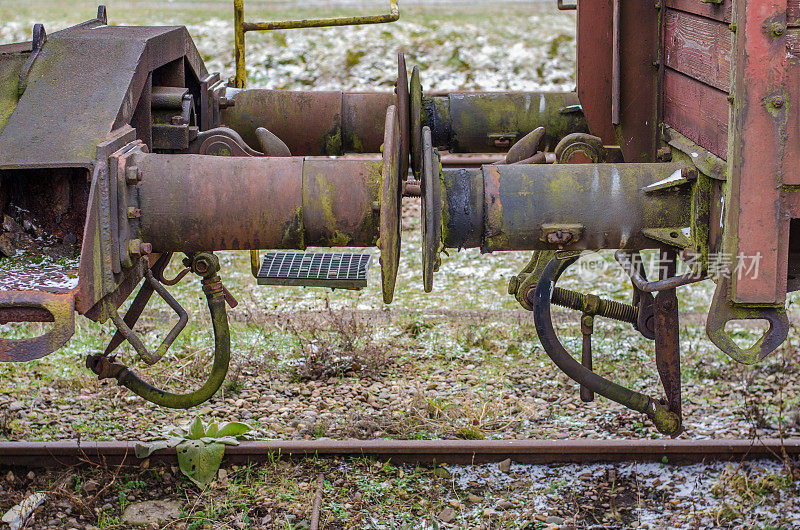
x=608, y=308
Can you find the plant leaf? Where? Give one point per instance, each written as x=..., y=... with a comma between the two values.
x=145, y=449
x=227, y=440
x=232, y=428
x=212, y=429
x=196, y=429
x=200, y=461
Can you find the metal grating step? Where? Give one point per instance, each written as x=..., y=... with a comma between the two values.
x=337, y=270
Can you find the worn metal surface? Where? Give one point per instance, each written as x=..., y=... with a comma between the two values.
x=60, y=306
x=467, y=452
x=417, y=117
x=723, y=310
x=338, y=202
x=390, y=206
x=482, y=122
x=195, y=202
x=72, y=123
x=580, y=148
x=403, y=113
x=523, y=207
x=309, y=123
x=334, y=122
x=667, y=336
x=431, y=211
x=524, y=204
x=363, y=117
x=462, y=214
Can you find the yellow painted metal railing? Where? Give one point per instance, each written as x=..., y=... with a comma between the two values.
x=240, y=27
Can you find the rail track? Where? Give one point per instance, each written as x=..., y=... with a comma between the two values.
x=73, y=452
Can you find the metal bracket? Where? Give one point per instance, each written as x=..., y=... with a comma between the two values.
x=629, y=262
x=133, y=338
x=37, y=42
x=723, y=310
x=62, y=309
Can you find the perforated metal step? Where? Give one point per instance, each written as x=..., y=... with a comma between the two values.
x=337, y=270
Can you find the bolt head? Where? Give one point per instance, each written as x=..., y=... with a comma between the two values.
x=133, y=175
x=513, y=285
x=777, y=101
x=201, y=266
x=136, y=248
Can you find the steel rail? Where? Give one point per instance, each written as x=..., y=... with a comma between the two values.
x=73, y=452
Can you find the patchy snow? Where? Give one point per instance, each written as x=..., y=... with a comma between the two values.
x=662, y=492
x=44, y=276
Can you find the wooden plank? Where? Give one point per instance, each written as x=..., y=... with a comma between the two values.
x=753, y=223
x=791, y=154
x=721, y=12
x=639, y=45
x=793, y=13
x=696, y=110
x=595, y=65
x=698, y=47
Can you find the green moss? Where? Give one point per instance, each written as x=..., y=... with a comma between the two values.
x=333, y=141
x=353, y=57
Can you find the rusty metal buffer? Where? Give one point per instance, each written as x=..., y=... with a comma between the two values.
x=118, y=149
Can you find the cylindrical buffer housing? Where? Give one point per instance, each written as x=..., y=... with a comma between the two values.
x=485, y=122
x=562, y=206
x=196, y=203
x=312, y=122
x=333, y=123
